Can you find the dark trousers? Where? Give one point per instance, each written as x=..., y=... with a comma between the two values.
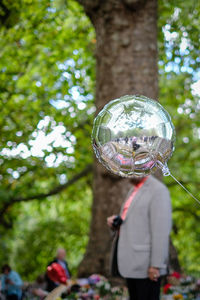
x=12, y=297
x=143, y=289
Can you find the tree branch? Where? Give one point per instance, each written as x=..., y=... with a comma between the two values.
x=134, y=4
x=187, y=211
x=89, y=4
x=182, y=182
x=94, y=4
x=174, y=183
x=52, y=192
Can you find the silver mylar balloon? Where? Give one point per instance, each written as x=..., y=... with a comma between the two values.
x=132, y=134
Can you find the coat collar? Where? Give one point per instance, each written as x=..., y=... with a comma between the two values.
x=137, y=196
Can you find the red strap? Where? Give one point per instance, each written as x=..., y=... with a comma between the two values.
x=131, y=197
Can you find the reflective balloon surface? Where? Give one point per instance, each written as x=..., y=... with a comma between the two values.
x=132, y=134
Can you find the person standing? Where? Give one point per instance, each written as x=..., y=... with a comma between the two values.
x=141, y=242
x=11, y=283
x=61, y=260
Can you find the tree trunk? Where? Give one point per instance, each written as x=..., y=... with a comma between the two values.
x=174, y=264
x=126, y=53
x=126, y=64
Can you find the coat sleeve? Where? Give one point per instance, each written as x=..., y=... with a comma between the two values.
x=160, y=227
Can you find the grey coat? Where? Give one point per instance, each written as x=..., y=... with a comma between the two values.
x=143, y=239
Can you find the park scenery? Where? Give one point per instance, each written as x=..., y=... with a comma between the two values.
x=61, y=62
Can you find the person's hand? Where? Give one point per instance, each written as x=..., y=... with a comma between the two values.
x=153, y=273
x=110, y=221
x=8, y=281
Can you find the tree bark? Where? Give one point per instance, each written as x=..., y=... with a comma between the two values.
x=126, y=54
x=174, y=262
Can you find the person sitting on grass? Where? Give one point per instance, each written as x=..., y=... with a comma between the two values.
x=11, y=283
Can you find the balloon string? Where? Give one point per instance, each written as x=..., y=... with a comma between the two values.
x=166, y=172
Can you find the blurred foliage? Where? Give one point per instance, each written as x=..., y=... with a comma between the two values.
x=179, y=69
x=40, y=73
x=47, y=80
x=46, y=89
x=47, y=226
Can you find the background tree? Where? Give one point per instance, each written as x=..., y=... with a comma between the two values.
x=126, y=52
x=47, y=84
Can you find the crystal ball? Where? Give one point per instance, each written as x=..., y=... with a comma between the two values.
x=132, y=135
